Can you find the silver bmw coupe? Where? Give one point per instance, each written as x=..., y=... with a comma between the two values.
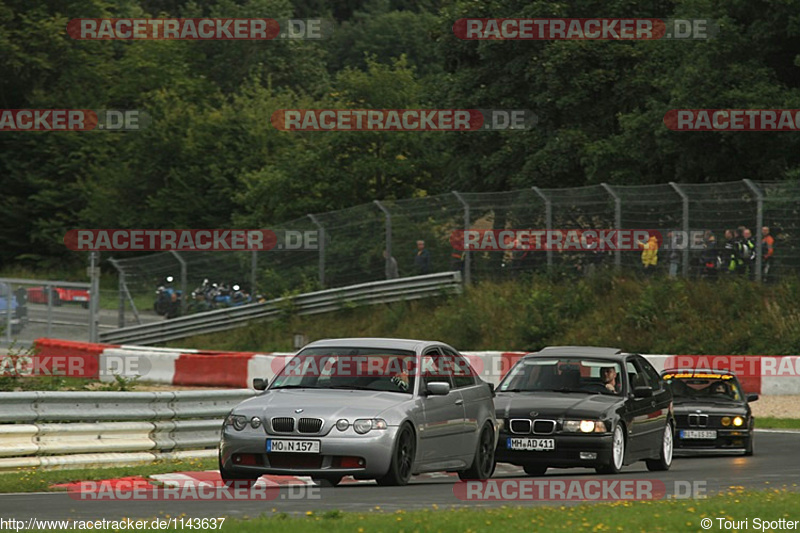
x=371, y=408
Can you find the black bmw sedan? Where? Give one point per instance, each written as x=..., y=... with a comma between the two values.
x=712, y=413
x=569, y=406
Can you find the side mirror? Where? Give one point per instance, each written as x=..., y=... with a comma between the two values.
x=491, y=389
x=260, y=384
x=752, y=397
x=438, y=388
x=643, y=392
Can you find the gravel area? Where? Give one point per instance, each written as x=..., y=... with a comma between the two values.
x=776, y=406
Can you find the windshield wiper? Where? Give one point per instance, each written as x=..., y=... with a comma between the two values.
x=567, y=389
x=294, y=387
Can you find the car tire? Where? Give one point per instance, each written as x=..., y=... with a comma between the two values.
x=535, y=470
x=405, y=448
x=327, y=481
x=664, y=460
x=236, y=481
x=614, y=466
x=483, y=463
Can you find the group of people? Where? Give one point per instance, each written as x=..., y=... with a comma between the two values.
x=422, y=262
x=737, y=254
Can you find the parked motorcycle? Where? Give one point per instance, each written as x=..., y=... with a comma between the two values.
x=168, y=299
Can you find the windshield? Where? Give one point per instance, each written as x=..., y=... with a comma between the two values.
x=702, y=386
x=377, y=369
x=564, y=374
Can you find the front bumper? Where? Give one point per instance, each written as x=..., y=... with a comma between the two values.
x=375, y=448
x=727, y=441
x=567, y=453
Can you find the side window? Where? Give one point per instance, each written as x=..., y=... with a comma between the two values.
x=463, y=374
x=434, y=369
x=635, y=379
x=653, y=379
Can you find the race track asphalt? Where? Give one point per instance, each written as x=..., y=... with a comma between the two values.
x=774, y=465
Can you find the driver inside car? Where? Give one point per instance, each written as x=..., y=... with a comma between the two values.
x=608, y=374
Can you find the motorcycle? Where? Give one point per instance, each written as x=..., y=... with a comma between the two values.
x=168, y=300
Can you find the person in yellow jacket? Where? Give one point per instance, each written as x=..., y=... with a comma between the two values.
x=649, y=254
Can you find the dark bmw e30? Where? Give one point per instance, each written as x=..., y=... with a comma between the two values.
x=712, y=412
x=591, y=407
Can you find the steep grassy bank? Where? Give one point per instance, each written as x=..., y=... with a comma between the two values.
x=730, y=316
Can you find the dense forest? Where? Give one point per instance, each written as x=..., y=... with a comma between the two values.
x=211, y=158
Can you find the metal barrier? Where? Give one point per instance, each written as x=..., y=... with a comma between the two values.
x=377, y=292
x=86, y=428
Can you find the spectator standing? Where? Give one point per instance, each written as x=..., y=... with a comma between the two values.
x=649, y=255
x=709, y=258
x=748, y=249
x=730, y=250
x=391, y=266
x=422, y=259
x=767, y=251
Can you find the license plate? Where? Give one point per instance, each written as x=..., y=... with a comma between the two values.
x=80, y=298
x=698, y=434
x=536, y=445
x=292, y=446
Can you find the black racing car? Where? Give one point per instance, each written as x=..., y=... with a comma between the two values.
x=712, y=413
x=591, y=407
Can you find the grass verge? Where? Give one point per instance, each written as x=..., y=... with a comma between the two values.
x=673, y=515
x=657, y=315
x=39, y=480
x=777, y=423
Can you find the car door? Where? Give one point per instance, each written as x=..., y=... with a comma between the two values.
x=442, y=428
x=638, y=410
x=659, y=404
x=476, y=396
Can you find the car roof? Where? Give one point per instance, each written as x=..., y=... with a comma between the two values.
x=612, y=354
x=698, y=371
x=373, y=342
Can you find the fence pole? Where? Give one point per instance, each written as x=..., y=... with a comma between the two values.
x=49, y=290
x=759, y=225
x=617, y=220
x=321, y=241
x=548, y=220
x=467, y=224
x=388, y=245
x=184, y=273
x=94, y=295
x=685, y=199
x=253, y=272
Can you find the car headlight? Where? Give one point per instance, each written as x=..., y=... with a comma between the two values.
x=501, y=424
x=255, y=422
x=726, y=421
x=342, y=424
x=238, y=422
x=738, y=421
x=365, y=425
x=585, y=426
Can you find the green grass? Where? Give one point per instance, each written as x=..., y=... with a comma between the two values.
x=37, y=480
x=728, y=317
x=672, y=516
x=777, y=423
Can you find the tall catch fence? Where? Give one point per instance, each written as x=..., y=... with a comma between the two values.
x=351, y=242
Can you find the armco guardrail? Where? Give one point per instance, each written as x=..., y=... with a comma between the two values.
x=88, y=428
x=377, y=292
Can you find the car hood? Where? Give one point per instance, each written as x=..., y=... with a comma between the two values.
x=554, y=405
x=682, y=407
x=329, y=405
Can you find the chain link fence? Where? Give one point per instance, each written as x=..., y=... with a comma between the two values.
x=352, y=241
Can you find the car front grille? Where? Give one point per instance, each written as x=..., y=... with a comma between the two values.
x=698, y=421
x=283, y=424
x=309, y=425
x=544, y=427
x=520, y=426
